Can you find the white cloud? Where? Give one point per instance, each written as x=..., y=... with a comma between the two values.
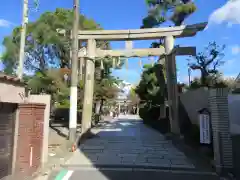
x=235, y=49
x=228, y=13
x=5, y=23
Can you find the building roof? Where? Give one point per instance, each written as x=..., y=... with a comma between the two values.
x=10, y=79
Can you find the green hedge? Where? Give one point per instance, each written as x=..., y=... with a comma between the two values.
x=150, y=117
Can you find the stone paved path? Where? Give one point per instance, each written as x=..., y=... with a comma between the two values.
x=127, y=142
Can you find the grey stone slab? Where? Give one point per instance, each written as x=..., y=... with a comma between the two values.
x=92, y=157
x=185, y=166
x=140, y=159
x=154, y=165
x=158, y=161
x=132, y=151
x=128, y=155
x=153, y=156
x=158, y=151
x=179, y=162
x=92, y=147
x=129, y=159
x=173, y=156
x=136, y=144
x=128, y=163
x=84, y=151
x=154, y=145
x=109, y=160
x=110, y=151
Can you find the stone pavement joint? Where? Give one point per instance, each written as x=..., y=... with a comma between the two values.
x=129, y=143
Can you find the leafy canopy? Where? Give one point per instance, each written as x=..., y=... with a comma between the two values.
x=161, y=11
x=151, y=87
x=47, y=51
x=45, y=48
x=208, y=62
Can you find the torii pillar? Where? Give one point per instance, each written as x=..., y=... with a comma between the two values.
x=89, y=86
x=172, y=88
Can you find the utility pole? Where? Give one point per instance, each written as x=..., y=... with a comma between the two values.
x=74, y=76
x=23, y=38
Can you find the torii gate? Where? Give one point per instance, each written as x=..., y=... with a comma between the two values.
x=168, y=51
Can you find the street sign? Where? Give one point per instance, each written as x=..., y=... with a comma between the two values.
x=204, y=124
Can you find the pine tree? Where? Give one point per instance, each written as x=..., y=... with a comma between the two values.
x=161, y=11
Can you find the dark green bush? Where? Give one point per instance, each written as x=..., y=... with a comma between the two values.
x=150, y=117
x=192, y=135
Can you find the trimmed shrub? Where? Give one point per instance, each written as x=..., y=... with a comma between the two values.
x=150, y=117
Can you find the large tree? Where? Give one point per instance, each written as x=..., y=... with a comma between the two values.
x=171, y=11
x=161, y=11
x=150, y=89
x=208, y=62
x=45, y=48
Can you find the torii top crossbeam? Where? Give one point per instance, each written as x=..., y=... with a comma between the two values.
x=142, y=34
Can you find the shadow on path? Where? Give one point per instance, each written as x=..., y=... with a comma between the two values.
x=127, y=145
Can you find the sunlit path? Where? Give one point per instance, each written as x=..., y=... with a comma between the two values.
x=125, y=147
x=127, y=142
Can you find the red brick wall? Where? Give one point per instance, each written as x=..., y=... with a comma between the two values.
x=30, y=136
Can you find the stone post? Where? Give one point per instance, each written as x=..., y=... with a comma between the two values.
x=89, y=86
x=172, y=84
x=222, y=142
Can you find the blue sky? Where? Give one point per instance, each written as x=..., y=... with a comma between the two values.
x=224, y=27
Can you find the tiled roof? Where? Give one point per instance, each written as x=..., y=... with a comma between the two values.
x=12, y=79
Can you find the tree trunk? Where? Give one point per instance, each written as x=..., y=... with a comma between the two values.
x=204, y=76
x=101, y=106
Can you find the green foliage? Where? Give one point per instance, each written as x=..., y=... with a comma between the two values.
x=211, y=82
x=152, y=92
x=161, y=11
x=192, y=135
x=208, y=62
x=151, y=87
x=45, y=48
x=50, y=82
x=105, y=88
x=133, y=97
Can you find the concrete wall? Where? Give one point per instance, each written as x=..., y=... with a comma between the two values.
x=193, y=101
x=234, y=113
x=234, y=117
x=43, y=99
x=11, y=93
x=196, y=99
